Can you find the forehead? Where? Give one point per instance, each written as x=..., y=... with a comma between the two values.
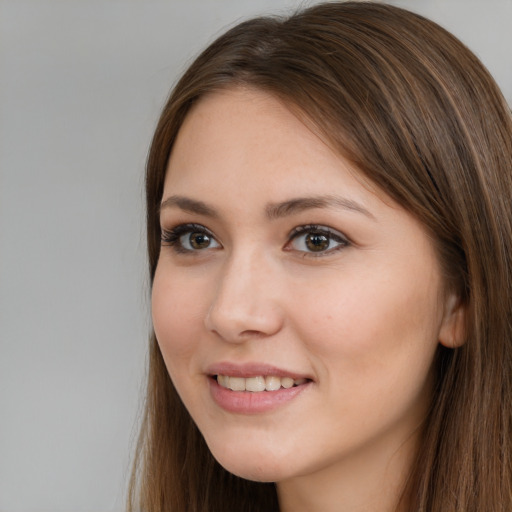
x=252, y=138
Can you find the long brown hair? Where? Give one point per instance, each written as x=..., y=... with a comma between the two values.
x=416, y=112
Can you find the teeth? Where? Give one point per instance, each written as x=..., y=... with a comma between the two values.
x=255, y=384
x=236, y=383
x=223, y=380
x=287, y=382
x=272, y=383
x=258, y=383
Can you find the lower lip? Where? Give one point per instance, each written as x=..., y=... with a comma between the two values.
x=248, y=402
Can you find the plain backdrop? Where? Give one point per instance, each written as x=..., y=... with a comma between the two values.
x=81, y=86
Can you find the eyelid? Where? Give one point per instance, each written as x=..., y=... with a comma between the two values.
x=317, y=228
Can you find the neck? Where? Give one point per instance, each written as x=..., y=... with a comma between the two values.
x=373, y=481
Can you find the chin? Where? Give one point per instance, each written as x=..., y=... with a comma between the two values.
x=255, y=471
x=252, y=464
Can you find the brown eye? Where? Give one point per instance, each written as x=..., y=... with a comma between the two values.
x=316, y=242
x=199, y=240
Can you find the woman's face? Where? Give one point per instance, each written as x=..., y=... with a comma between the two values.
x=280, y=268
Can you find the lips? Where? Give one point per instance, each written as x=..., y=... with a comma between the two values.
x=254, y=388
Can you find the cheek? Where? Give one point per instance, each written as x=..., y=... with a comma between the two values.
x=177, y=313
x=372, y=322
x=372, y=350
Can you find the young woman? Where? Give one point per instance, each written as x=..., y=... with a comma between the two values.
x=330, y=240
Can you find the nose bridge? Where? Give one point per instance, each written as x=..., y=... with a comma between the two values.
x=245, y=301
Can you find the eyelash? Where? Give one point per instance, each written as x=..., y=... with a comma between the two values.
x=172, y=238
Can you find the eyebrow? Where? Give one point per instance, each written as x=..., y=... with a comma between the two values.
x=189, y=205
x=293, y=206
x=272, y=210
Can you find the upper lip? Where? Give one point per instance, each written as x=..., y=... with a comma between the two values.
x=247, y=370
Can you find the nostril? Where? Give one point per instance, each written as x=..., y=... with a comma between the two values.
x=252, y=334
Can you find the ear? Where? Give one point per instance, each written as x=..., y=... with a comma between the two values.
x=452, y=333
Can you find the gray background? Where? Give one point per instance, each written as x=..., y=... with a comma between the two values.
x=81, y=85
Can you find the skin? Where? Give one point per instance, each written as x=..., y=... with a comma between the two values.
x=361, y=319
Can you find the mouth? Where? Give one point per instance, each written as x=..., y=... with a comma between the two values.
x=258, y=383
x=255, y=388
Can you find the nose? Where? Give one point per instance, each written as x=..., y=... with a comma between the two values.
x=245, y=304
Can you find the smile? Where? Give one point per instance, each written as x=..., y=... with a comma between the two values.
x=258, y=383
